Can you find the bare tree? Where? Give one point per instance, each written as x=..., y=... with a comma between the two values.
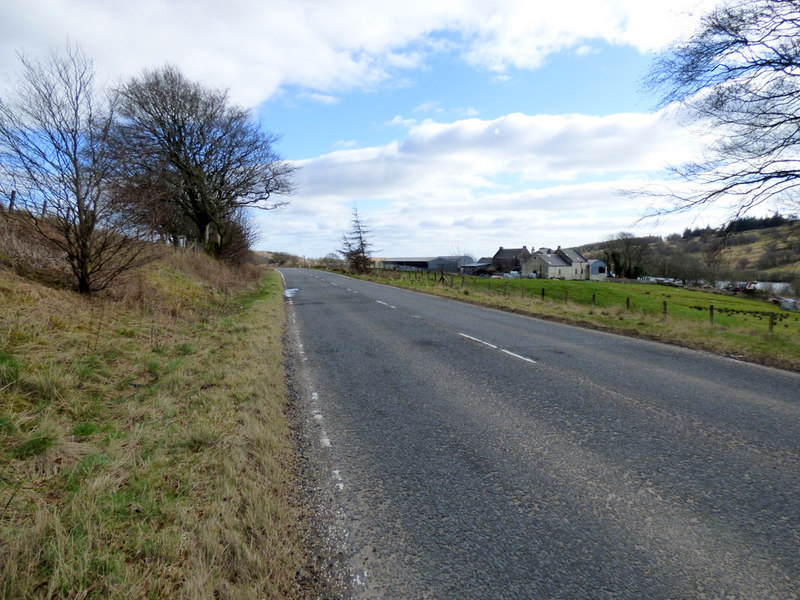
x=714, y=255
x=331, y=260
x=356, y=247
x=188, y=148
x=235, y=246
x=738, y=76
x=54, y=131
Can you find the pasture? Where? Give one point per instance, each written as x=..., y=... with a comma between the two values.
x=739, y=326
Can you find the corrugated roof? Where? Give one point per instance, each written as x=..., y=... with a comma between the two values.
x=479, y=264
x=412, y=259
x=424, y=258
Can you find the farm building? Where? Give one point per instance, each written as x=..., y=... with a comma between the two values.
x=564, y=264
x=483, y=266
x=448, y=264
x=598, y=270
x=506, y=260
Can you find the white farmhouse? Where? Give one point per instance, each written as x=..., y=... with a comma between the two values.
x=564, y=264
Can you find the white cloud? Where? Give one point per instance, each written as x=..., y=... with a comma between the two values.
x=469, y=153
x=430, y=106
x=519, y=179
x=320, y=98
x=255, y=48
x=400, y=121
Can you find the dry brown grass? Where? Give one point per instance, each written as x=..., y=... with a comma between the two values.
x=28, y=256
x=144, y=450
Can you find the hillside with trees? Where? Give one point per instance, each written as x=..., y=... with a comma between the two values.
x=745, y=249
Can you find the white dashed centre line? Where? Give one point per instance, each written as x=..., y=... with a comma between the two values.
x=493, y=347
x=474, y=339
x=519, y=356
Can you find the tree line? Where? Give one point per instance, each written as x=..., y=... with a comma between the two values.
x=99, y=173
x=702, y=254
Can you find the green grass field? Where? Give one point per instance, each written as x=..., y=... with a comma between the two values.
x=740, y=327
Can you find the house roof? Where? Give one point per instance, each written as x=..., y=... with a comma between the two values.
x=561, y=257
x=574, y=255
x=510, y=252
x=552, y=260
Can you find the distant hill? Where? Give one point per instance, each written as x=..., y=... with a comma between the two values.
x=745, y=249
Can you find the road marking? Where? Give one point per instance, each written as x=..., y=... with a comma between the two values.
x=503, y=350
x=474, y=339
x=338, y=477
x=525, y=358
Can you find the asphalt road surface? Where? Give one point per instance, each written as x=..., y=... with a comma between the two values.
x=470, y=453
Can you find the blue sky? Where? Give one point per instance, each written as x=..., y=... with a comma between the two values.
x=454, y=126
x=604, y=82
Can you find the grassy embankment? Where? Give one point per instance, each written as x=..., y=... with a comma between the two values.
x=144, y=449
x=740, y=327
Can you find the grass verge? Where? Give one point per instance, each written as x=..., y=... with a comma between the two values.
x=144, y=446
x=736, y=326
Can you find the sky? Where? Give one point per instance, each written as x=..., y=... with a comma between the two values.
x=452, y=126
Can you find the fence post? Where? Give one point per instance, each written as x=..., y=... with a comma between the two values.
x=771, y=322
x=711, y=313
x=542, y=293
x=566, y=296
x=665, y=308
x=628, y=303
x=594, y=299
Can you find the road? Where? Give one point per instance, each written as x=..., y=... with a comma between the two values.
x=471, y=453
